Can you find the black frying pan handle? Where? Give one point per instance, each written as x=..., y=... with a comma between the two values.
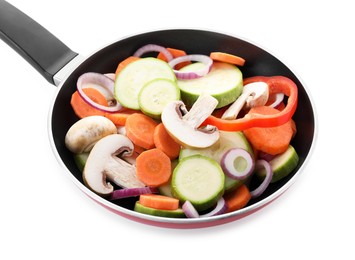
x=46, y=53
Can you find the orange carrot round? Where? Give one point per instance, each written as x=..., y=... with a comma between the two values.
x=140, y=129
x=153, y=167
x=83, y=109
x=238, y=198
x=271, y=140
x=137, y=149
x=228, y=58
x=124, y=63
x=165, y=142
x=119, y=118
x=157, y=201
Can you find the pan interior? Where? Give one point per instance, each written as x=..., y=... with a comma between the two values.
x=258, y=62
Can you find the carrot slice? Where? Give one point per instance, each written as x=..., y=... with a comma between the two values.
x=157, y=201
x=228, y=58
x=153, y=167
x=120, y=118
x=238, y=198
x=124, y=63
x=83, y=109
x=271, y=140
x=165, y=142
x=140, y=129
x=176, y=53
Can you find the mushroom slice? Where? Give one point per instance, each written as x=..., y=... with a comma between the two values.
x=254, y=94
x=104, y=164
x=183, y=125
x=83, y=135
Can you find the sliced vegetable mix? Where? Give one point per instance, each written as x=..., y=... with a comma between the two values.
x=184, y=134
x=277, y=84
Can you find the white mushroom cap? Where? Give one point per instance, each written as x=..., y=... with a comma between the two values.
x=82, y=135
x=103, y=164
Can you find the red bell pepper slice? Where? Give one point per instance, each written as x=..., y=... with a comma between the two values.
x=277, y=84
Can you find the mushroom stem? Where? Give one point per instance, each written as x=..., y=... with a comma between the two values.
x=201, y=109
x=121, y=172
x=233, y=111
x=254, y=94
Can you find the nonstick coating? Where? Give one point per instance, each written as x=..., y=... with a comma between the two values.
x=258, y=62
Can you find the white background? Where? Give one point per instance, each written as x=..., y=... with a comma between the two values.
x=44, y=216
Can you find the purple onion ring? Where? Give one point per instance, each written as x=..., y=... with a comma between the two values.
x=153, y=48
x=102, y=80
x=132, y=192
x=262, y=187
x=192, y=74
x=228, y=163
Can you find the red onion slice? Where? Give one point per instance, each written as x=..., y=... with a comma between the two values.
x=265, y=156
x=153, y=48
x=262, y=187
x=131, y=192
x=192, y=74
x=111, y=76
x=279, y=97
x=229, y=163
x=103, y=81
x=220, y=208
x=190, y=210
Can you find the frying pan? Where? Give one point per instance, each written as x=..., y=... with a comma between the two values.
x=61, y=66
